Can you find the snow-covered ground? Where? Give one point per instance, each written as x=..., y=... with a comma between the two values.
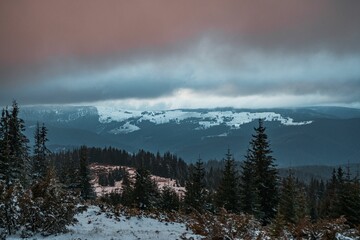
x=205, y=119
x=94, y=224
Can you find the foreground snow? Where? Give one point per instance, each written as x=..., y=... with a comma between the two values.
x=94, y=224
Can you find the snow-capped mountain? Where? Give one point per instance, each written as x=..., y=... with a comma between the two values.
x=204, y=119
x=318, y=135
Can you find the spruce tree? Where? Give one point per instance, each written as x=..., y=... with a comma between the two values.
x=70, y=172
x=289, y=200
x=195, y=194
x=5, y=147
x=41, y=152
x=249, y=193
x=265, y=173
x=145, y=194
x=56, y=206
x=349, y=198
x=227, y=195
x=84, y=173
x=127, y=190
x=10, y=211
x=329, y=205
x=169, y=200
x=19, y=158
x=14, y=160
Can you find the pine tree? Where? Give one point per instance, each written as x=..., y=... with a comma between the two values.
x=228, y=194
x=314, y=198
x=84, y=173
x=14, y=160
x=127, y=190
x=288, y=199
x=349, y=198
x=19, y=158
x=41, y=152
x=69, y=170
x=5, y=147
x=330, y=205
x=56, y=206
x=169, y=200
x=195, y=194
x=265, y=173
x=10, y=211
x=145, y=194
x=249, y=193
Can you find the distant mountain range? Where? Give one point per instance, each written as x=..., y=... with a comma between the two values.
x=298, y=136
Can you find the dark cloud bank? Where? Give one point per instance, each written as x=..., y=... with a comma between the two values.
x=88, y=51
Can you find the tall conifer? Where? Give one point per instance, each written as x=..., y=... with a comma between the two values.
x=265, y=173
x=249, y=193
x=84, y=173
x=41, y=152
x=195, y=187
x=228, y=194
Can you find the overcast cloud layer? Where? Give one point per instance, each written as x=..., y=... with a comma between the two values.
x=180, y=54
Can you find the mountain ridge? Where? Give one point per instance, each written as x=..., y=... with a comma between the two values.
x=328, y=137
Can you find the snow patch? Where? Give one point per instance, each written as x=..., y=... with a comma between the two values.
x=117, y=188
x=126, y=128
x=94, y=224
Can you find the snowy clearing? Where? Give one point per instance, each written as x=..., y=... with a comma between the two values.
x=117, y=188
x=94, y=224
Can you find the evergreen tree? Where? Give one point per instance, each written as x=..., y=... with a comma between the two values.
x=41, y=152
x=10, y=211
x=69, y=170
x=14, y=160
x=349, y=202
x=5, y=147
x=195, y=194
x=342, y=198
x=19, y=163
x=265, y=173
x=169, y=200
x=329, y=206
x=84, y=173
x=292, y=203
x=314, y=198
x=228, y=194
x=127, y=190
x=349, y=198
x=56, y=206
x=249, y=194
x=145, y=194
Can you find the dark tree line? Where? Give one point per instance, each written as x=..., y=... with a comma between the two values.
x=166, y=165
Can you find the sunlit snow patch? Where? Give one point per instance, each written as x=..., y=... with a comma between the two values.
x=205, y=120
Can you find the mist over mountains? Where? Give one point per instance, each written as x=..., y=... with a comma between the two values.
x=298, y=136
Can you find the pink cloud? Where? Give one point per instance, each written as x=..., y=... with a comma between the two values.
x=34, y=31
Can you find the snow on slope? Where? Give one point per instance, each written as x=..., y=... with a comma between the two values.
x=126, y=128
x=204, y=119
x=102, y=190
x=94, y=224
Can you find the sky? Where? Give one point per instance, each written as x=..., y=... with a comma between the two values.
x=165, y=54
